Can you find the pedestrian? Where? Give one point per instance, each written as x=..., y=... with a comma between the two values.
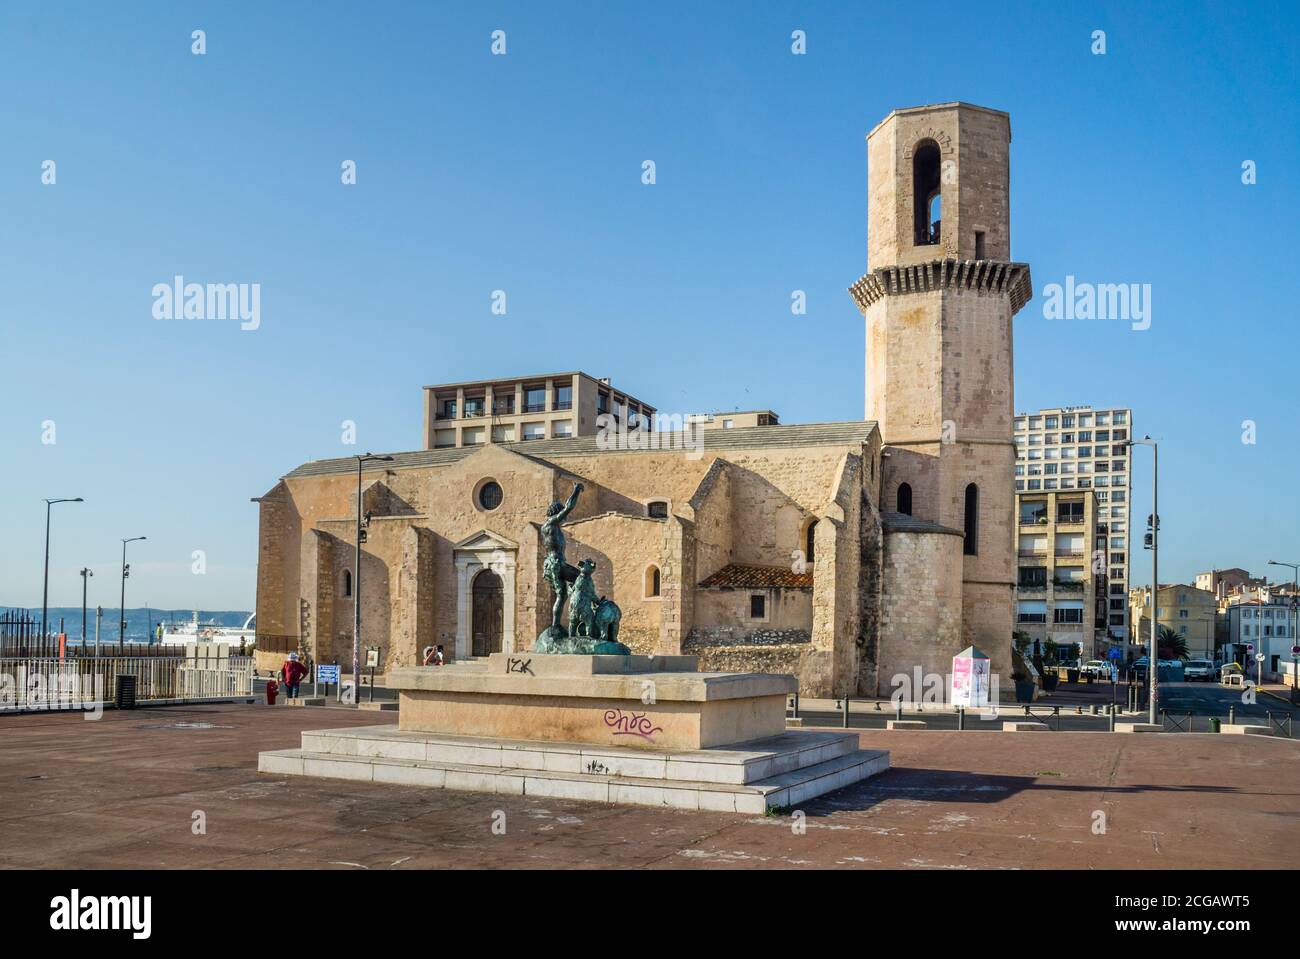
x=428, y=656
x=293, y=672
x=271, y=689
x=438, y=659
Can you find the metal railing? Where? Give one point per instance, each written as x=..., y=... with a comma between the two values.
x=67, y=683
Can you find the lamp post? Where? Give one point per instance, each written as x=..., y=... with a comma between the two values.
x=121, y=617
x=356, y=583
x=1295, y=640
x=85, y=575
x=45, y=595
x=1153, y=650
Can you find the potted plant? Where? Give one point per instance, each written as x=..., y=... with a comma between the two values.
x=1022, y=676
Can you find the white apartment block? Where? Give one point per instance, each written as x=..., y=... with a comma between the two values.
x=1079, y=447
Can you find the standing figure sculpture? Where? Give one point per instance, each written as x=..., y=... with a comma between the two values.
x=593, y=626
x=555, y=570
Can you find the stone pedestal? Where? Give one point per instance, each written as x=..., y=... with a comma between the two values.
x=620, y=729
x=637, y=702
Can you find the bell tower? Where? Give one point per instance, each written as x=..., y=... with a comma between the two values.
x=938, y=298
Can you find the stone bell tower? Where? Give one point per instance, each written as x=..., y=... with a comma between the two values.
x=938, y=299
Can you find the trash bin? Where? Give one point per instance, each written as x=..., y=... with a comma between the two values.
x=124, y=692
x=1214, y=724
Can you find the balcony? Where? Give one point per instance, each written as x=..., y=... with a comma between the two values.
x=535, y=407
x=1064, y=586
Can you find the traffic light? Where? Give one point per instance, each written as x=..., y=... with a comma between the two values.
x=126, y=571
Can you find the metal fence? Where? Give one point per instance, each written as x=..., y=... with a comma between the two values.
x=21, y=638
x=47, y=683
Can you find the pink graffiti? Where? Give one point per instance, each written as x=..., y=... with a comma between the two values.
x=631, y=724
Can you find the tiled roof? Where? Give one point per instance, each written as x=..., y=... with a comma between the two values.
x=743, y=576
x=855, y=433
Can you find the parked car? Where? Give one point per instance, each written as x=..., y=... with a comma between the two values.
x=1097, y=668
x=1201, y=669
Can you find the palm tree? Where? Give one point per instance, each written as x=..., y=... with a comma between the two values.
x=1172, y=645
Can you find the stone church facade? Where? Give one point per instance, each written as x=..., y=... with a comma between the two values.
x=844, y=553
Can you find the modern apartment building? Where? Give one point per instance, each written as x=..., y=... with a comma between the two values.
x=1188, y=611
x=1060, y=595
x=547, y=406
x=1081, y=448
x=737, y=419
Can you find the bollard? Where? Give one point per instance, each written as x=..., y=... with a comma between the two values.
x=796, y=704
x=1056, y=715
x=1112, y=720
x=898, y=709
x=961, y=719
x=1232, y=713
x=846, y=712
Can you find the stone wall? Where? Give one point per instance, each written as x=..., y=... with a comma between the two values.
x=921, y=606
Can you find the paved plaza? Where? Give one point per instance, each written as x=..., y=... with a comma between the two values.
x=123, y=792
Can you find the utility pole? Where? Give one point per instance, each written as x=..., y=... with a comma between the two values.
x=1153, y=650
x=45, y=596
x=1295, y=627
x=356, y=583
x=85, y=575
x=126, y=571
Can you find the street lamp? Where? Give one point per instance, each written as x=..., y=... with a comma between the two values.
x=1295, y=640
x=356, y=584
x=45, y=596
x=121, y=619
x=1153, y=651
x=85, y=575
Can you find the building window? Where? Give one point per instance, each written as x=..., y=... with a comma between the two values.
x=534, y=399
x=808, y=541
x=564, y=397
x=657, y=509
x=971, y=544
x=489, y=495
x=1067, y=616
x=652, y=582
x=757, y=606
x=979, y=244
x=347, y=583
x=926, y=195
x=905, y=498
x=1033, y=577
x=1069, y=512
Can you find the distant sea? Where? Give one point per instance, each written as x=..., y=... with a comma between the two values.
x=139, y=622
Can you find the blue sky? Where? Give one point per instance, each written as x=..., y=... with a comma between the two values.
x=523, y=173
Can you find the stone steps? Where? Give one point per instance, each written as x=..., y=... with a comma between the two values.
x=750, y=778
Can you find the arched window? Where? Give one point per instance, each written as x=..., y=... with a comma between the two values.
x=809, y=539
x=905, y=498
x=651, y=582
x=347, y=583
x=971, y=546
x=926, y=193
x=657, y=509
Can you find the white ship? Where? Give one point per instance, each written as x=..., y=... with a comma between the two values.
x=184, y=634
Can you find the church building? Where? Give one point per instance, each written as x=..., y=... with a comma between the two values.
x=846, y=554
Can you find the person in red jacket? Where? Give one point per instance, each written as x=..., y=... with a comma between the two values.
x=294, y=671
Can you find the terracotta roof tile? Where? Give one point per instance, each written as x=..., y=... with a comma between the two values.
x=743, y=576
